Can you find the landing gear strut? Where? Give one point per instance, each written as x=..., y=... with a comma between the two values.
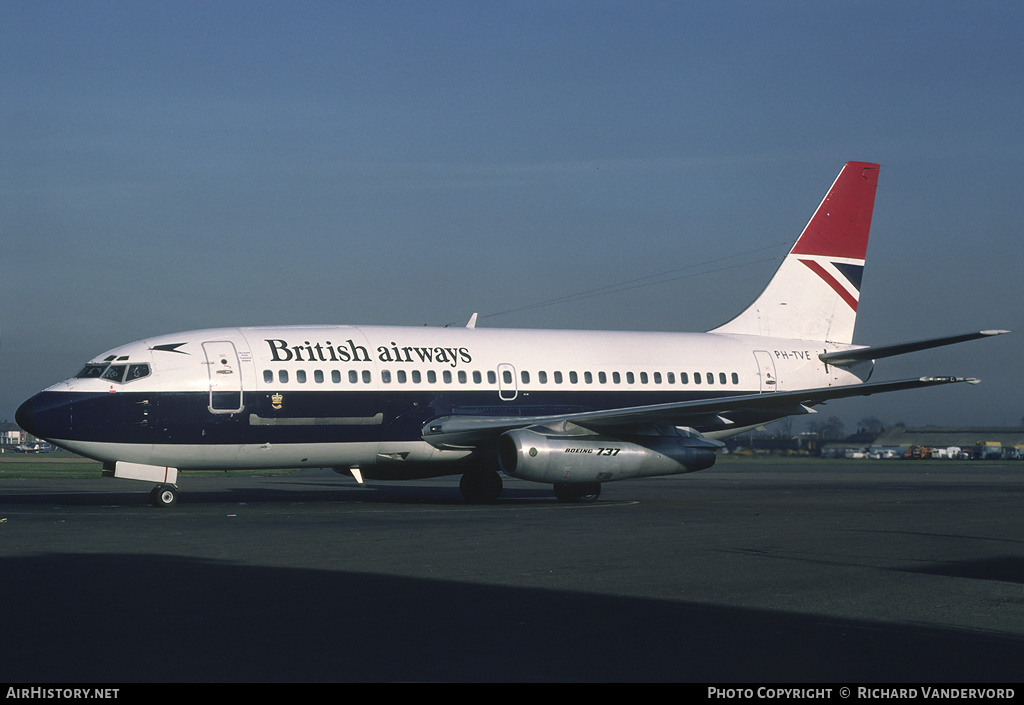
x=579, y=492
x=163, y=496
x=481, y=486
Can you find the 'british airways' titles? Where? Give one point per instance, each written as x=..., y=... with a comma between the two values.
x=282, y=351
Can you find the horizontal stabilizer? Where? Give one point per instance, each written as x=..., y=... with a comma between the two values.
x=848, y=357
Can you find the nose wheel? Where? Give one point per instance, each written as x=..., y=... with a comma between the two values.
x=163, y=496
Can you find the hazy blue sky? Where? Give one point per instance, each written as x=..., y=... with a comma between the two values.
x=179, y=165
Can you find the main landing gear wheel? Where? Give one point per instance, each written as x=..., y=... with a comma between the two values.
x=481, y=487
x=578, y=492
x=163, y=496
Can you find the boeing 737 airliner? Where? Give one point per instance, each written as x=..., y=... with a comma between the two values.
x=573, y=409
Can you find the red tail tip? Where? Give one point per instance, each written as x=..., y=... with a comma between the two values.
x=840, y=226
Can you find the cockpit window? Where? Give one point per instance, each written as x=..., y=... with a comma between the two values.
x=136, y=372
x=114, y=373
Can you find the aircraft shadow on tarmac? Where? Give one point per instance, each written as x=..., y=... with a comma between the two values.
x=1007, y=569
x=198, y=493
x=161, y=618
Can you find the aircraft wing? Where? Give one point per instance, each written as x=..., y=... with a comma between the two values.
x=468, y=431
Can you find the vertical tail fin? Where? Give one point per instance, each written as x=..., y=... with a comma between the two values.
x=814, y=293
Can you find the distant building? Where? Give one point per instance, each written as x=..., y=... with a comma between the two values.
x=978, y=442
x=11, y=434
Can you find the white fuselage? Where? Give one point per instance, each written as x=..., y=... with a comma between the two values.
x=347, y=396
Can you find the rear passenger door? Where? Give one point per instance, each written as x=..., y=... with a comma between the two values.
x=766, y=371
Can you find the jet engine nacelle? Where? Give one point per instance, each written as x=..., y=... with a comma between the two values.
x=530, y=455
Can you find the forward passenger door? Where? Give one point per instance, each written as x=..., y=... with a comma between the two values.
x=225, y=373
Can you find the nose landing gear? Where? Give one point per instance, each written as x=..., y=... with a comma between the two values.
x=163, y=496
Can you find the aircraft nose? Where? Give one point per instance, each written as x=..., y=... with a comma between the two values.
x=46, y=415
x=25, y=416
x=66, y=417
